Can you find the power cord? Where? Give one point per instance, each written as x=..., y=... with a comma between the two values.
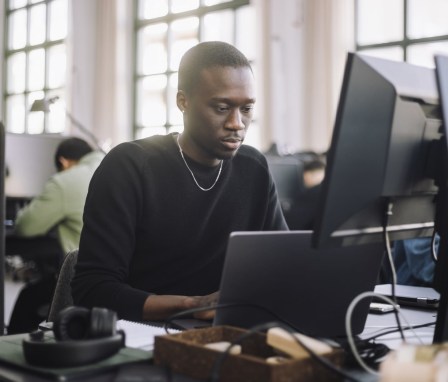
x=280, y=322
x=372, y=353
x=394, y=330
x=189, y=312
x=387, y=214
x=348, y=326
x=215, y=374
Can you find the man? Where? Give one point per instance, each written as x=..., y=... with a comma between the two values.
x=160, y=210
x=60, y=206
x=61, y=203
x=414, y=261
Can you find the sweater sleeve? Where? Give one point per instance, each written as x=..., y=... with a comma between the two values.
x=42, y=213
x=108, y=237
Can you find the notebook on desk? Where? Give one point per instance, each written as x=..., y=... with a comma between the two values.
x=309, y=289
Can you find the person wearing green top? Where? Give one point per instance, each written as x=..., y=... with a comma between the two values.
x=60, y=206
x=61, y=203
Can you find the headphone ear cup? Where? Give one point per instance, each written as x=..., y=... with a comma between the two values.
x=103, y=323
x=72, y=323
x=39, y=352
x=82, y=336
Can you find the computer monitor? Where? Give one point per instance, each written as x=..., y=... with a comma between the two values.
x=441, y=269
x=383, y=155
x=287, y=172
x=2, y=227
x=29, y=161
x=387, y=166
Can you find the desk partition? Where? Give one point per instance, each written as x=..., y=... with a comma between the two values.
x=29, y=160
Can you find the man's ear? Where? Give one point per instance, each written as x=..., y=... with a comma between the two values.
x=66, y=163
x=181, y=99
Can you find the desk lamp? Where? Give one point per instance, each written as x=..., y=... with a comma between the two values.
x=44, y=105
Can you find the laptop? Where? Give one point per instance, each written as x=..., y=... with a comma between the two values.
x=408, y=295
x=283, y=279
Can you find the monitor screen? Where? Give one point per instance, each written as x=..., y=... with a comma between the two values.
x=2, y=227
x=29, y=161
x=441, y=268
x=287, y=172
x=382, y=156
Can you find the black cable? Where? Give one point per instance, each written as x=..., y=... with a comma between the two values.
x=216, y=369
x=396, y=330
x=169, y=321
x=374, y=352
x=214, y=377
x=280, y=323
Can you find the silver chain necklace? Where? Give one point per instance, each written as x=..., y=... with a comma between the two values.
x=191, y=172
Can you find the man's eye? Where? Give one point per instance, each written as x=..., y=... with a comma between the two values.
x=247, y=109
x=222, y=109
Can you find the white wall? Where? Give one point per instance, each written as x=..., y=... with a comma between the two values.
x=82, y=62
x=101, y=67
x=303, y=46
x=280, y=96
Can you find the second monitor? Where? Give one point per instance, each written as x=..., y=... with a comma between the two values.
x=384, y=155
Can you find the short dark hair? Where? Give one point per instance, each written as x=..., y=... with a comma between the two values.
x=71, y=148
x=206, y=55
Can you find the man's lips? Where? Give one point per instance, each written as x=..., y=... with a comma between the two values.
x=231, y=143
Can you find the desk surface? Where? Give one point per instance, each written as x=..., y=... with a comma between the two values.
x=374, y=324
x=377, y=323
x=127, y=373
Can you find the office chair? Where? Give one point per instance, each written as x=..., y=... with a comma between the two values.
x=33, y=302
x=62, y=296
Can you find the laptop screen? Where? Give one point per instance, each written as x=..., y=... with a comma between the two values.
x=290, y=281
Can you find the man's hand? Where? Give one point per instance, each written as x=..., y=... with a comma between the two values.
x=160, y=307
x=204, y=301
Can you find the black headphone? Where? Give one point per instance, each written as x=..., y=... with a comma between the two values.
x=81, y=336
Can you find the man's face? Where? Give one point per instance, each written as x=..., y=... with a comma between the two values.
x=217, y=113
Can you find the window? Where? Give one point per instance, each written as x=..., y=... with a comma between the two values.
x=165, y=29
x=402, y=30
x=35, y=54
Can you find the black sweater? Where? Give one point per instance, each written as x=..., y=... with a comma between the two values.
x=149, y=229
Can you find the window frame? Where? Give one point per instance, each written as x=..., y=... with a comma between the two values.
x=404, y=43
x=46, y=45
x=139, y=24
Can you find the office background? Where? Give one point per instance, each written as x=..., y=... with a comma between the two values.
x=298, y=49
x=113, y=62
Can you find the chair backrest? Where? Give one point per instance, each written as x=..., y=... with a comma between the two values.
x=62, y=296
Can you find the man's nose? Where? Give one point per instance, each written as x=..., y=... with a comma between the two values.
x=235, y=120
